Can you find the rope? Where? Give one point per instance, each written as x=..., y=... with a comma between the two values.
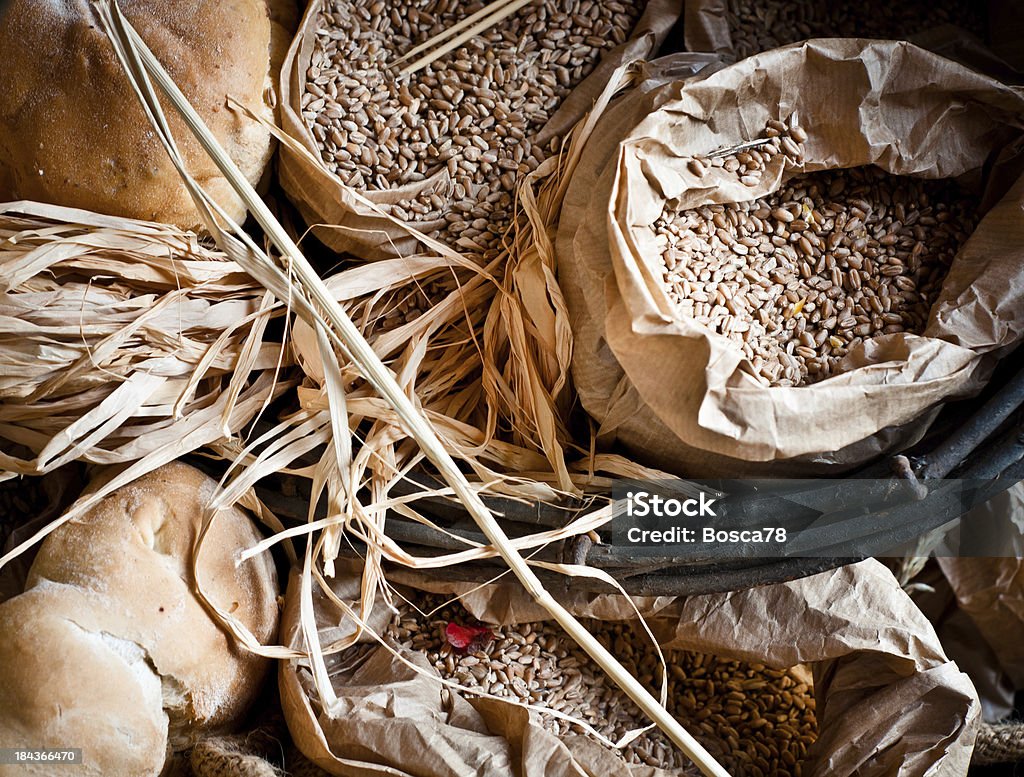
x=999, y=743
x=266, y=751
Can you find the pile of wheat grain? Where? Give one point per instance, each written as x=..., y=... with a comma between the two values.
x=756, y=720
x=473, y=114
x=798, y=278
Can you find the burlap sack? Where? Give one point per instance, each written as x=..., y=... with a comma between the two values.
x=357, y=228
x=889, y=702
x=681, y=397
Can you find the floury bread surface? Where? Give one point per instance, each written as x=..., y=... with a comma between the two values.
x=113, y=597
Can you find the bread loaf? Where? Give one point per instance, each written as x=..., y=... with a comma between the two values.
x=113, y=593
x=72, y=131
x=64, y=686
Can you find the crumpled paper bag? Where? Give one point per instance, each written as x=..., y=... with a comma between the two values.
x=889, y=701
x=990, y=590
x=682, y=398
x=963, y=642
x=357, y=228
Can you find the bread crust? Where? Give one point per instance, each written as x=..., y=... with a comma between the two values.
x=64, y=686
x=72, y=131
x=128, y=562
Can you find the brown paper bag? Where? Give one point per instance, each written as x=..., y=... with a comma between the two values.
x=889, y=702
x=357, y=228
x=681, y=397
x=976, y=601
x=990, y=590
x=963, y=642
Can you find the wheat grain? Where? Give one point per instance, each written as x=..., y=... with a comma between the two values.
x=798, y=278
x=467, y=122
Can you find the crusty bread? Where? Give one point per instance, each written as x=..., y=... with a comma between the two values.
x=134, y=551
x=64, y=686
x=110, y=629
x=72, y=131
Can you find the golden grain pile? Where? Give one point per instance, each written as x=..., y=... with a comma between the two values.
x=800, y=277
x=468, y=121
x=755, y=720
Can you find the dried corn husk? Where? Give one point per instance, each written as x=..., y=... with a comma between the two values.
x=124, y=343
x=124, y=339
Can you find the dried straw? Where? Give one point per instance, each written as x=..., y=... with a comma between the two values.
x=125, y=343
x=484, y=13
x=488, y=16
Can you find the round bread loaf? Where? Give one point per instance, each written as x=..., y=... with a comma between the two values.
x=64, y=686
x=121, y=579
x=72, y=131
